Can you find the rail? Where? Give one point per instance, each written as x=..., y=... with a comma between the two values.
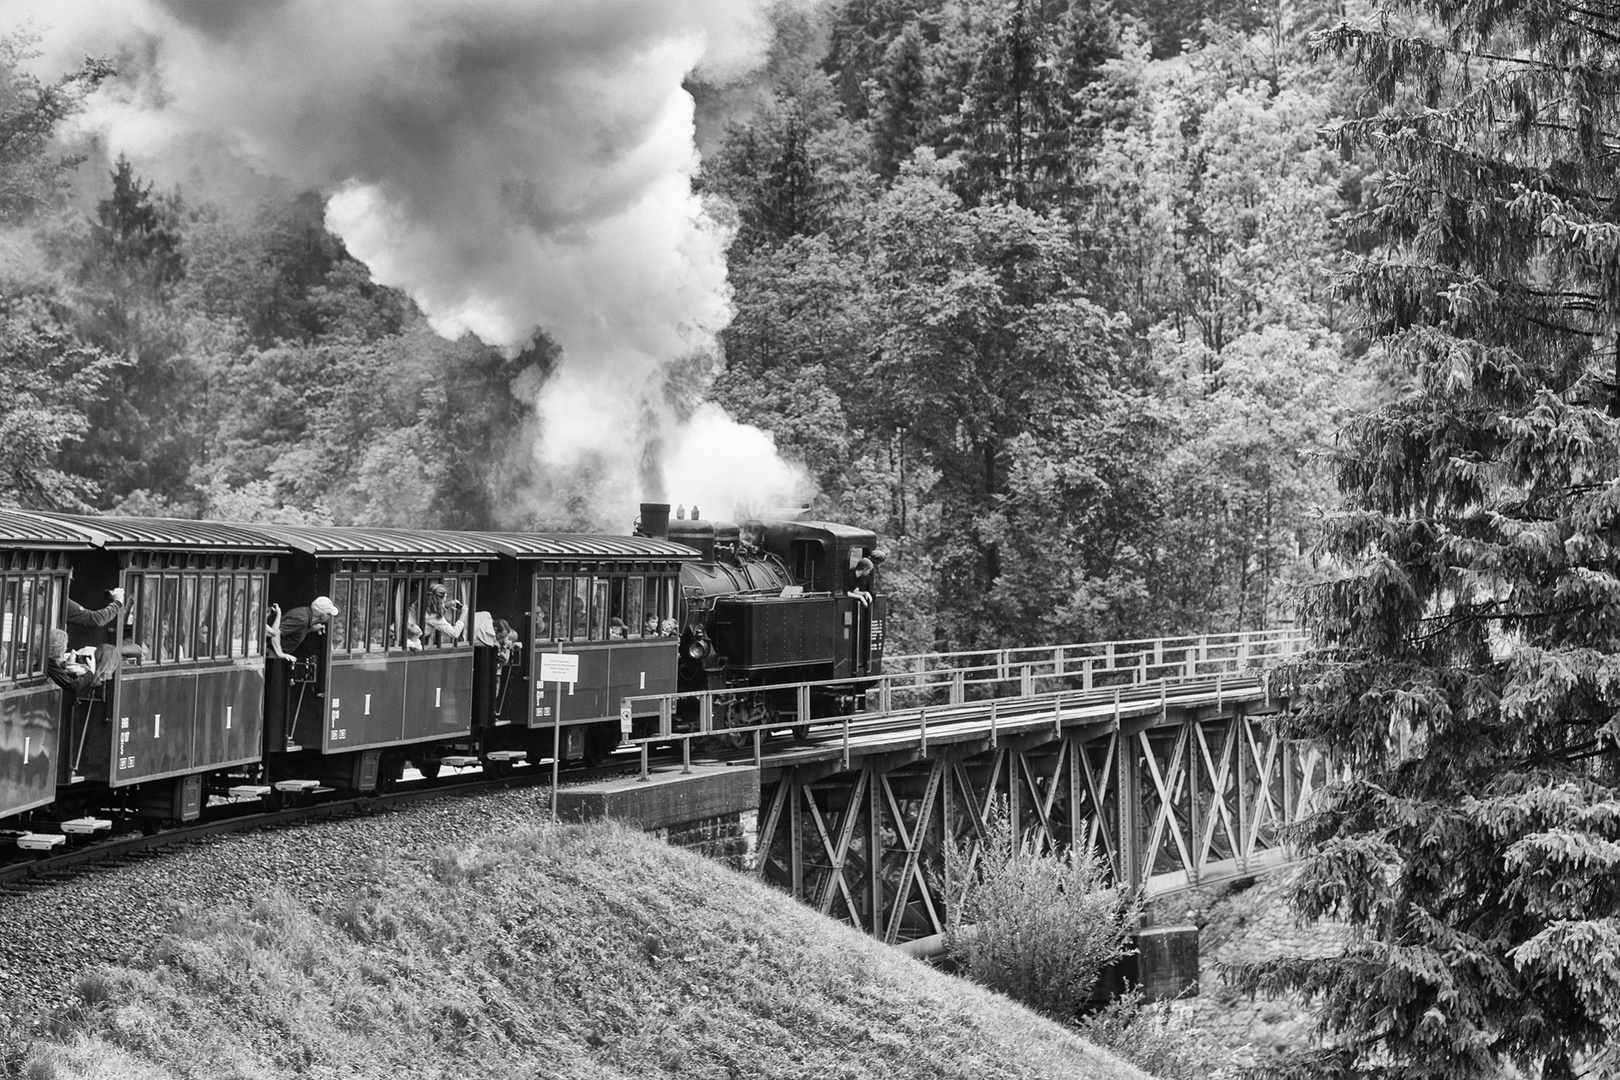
x=1083, y=673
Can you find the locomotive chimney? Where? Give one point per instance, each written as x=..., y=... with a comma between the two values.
x=655, y=520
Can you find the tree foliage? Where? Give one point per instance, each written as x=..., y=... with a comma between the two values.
x=1472, y=595
x=1036, y=925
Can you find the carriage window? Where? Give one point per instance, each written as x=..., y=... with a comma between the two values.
x=632, y=607
x=205, y=617
x=649, y=611
x=145, y=591
x=353, y=617
x=239, y=617
x=463, y=614
x=224, y=641
x=8, y=628
x=378, y=628
x=255, y=615
x=186, y=621
x=166, y=615
x=27, y=622
x=542, y=609
x=562, y=610
x=29, y=606
x=580, y=622
x=339, y=627
x=599, y=603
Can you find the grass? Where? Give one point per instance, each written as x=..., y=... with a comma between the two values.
x=563, y=952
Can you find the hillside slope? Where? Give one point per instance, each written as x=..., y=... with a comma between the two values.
x=567, y=952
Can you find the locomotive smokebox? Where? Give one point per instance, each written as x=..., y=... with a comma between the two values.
x=655, y=520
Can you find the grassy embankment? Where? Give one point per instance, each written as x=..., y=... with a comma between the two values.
x=568, y=952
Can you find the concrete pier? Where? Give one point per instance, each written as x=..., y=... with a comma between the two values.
x=714, y=809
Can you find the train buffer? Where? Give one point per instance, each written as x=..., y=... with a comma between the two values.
x=86, y=826
x=32, y=841
x=300, y=787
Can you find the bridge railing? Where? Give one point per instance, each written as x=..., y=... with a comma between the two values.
x=921, y=680
x=1094, y=664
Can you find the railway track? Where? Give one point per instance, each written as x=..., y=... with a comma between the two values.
x=46, y=867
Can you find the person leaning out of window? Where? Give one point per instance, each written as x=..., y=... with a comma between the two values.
x=287, y=630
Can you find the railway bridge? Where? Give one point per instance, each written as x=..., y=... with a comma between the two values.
x=1154, y=754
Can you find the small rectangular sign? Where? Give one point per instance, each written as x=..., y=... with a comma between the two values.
x=559, y=667
x=625, y=723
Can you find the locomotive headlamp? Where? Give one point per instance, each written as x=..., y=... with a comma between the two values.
x=698, y=647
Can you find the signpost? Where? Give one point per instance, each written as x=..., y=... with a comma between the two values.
x=558, y=668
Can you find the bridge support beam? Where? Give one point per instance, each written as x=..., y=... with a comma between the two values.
x=1185, y=795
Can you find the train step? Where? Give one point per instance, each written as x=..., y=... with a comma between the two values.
x=459, y=761
x=508, y=755
x=40, y=841
x=295, y=787
x=84, y=826
x=250, y=791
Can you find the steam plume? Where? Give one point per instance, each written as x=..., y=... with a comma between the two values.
x=510, y=165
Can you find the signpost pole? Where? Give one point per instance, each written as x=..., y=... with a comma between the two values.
x=557, y=668
x=556, y=748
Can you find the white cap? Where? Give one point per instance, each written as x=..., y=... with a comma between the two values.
x=323, y=606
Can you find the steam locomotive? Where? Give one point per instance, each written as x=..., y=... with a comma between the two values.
x=198, y=713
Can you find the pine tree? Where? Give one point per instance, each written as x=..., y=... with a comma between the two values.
x=1469, y=678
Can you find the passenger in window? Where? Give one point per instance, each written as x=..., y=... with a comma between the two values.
x=439, y=609
x=80, y=669
x=651, y=627
x=81, y=616
x=669, y=628
x=616, y=628
x=507, y=642
x=286, y=631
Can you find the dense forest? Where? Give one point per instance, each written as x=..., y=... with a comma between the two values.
x=1112, y=318
x=1042, y=291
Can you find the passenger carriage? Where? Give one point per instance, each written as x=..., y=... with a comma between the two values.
x=34, y=580
x=183, y=716
x=612, y=601
x=379, y=687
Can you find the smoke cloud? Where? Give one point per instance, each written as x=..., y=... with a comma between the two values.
x=510, y=165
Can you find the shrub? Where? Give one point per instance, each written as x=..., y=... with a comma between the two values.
x=1036, y=926
x=1154, y=1039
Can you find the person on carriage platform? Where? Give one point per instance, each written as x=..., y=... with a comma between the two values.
x=287, y=630
x=78, y=615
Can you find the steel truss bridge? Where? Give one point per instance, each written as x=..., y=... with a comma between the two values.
x=1154, y=754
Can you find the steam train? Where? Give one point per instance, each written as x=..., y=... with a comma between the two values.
x=200, y=711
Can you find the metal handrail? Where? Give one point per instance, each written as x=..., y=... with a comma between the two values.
x=1200, y=657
